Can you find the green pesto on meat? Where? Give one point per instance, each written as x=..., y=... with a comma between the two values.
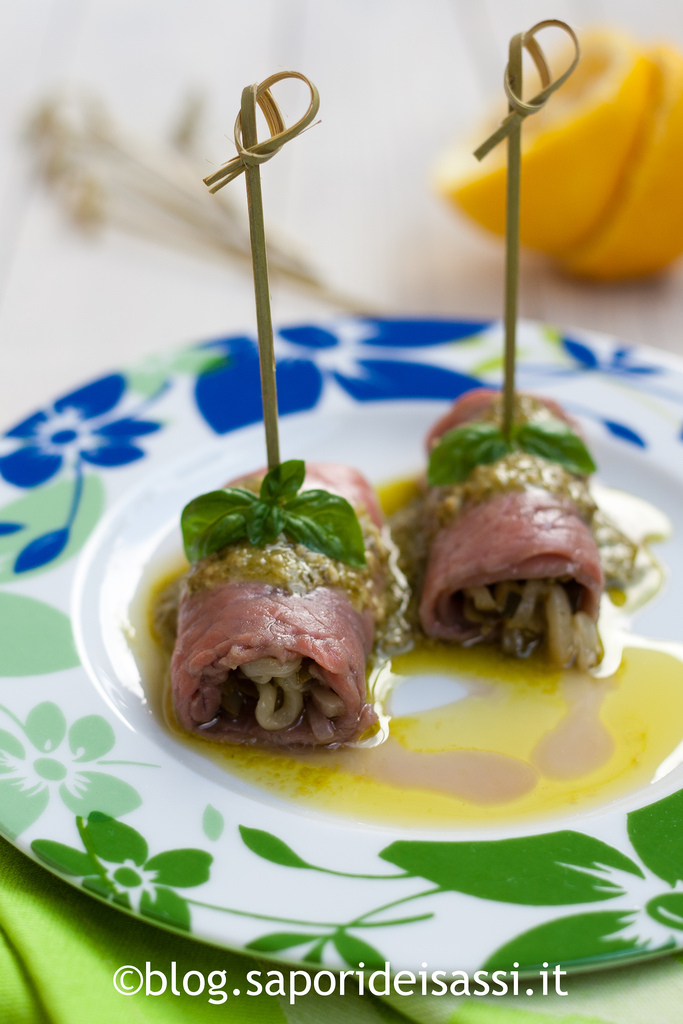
x=414, y=526
x=296, y=568
x=516, y=471
x=527, y=409
x=379, y=585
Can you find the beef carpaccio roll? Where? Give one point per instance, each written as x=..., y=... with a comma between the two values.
x=510, y=555
x=272, y=643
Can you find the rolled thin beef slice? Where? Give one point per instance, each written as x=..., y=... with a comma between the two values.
x=471, y=408
x=242, y=645
x=515, y=535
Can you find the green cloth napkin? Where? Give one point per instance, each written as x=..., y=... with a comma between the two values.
x=60, y=948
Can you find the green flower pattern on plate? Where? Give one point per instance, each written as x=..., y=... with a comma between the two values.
x=35, y=638
x=41, y=513
x=115, y=864
x=50, y=762
x=551, y=869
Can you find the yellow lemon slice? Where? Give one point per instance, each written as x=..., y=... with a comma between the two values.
x=643, y=230
x=577, y=154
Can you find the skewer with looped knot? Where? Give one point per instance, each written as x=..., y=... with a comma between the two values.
x=512, y=81
x=250, y=155
x=511, y=129
x=250, y=152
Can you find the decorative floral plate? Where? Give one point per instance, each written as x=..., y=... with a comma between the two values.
x=95, y=787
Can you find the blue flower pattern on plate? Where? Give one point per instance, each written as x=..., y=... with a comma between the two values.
x=621, y=362
x=368, y=359
x=78, y=429
x=75, y=428
x=313, y=357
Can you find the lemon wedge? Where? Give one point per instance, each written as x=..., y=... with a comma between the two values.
x=600, y=165
x=643, y=231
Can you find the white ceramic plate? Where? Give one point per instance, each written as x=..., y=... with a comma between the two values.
x=93, y=785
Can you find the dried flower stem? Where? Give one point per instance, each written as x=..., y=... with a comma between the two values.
x=104, y=175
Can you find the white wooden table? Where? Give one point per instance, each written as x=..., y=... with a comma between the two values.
x=398, y=79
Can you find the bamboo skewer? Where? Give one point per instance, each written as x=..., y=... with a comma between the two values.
x=511, y=128
x=259, y=255
x=250, y=155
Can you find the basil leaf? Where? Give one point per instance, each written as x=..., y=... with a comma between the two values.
x=557, y=442
x=264, y=523
x=213, y=520
x=217, y=535
x=326, y=523
x=459, y=450
x=321, y=521
x=283, y=482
